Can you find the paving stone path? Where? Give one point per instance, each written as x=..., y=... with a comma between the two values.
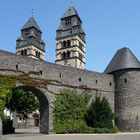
x=120, y=136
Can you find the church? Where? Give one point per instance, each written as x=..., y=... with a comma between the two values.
x=70, y=40
x=120, y=82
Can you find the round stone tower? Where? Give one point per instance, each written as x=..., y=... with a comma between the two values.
x=126, y=70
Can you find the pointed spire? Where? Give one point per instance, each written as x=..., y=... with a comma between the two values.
x=123, y=59
x=31, y=23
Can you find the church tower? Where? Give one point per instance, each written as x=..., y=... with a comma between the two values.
x=30, y=43
x=70, y=40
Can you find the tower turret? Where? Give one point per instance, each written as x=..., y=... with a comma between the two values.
x=126, y=70
x=70, y=40
x=30, y=43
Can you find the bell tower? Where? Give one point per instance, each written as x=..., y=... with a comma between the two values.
x=30, y=43
x=70, y=40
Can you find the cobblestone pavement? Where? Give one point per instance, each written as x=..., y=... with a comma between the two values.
x=120, y=136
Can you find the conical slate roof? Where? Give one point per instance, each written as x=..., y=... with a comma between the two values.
x=123, y=59
x=31, y=23
x=70, y=12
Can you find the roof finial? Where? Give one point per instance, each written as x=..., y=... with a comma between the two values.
x=126, y=46
x=71, y=4
x=32, y=12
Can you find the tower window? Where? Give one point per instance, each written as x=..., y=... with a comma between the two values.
x=68, y=43
x=63, y=55
x=25, y=52
x=68, y=54
x=68, y=21
x=22, y=53
x=96, y=81
x=60, y=75
x=110, y=84
x=37, y=54
x=64, y=43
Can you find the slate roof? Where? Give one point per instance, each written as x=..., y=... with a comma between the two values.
x=75, y=23
x=123, y=59
x=31, y=23
x=60, y=27
x=70, y=12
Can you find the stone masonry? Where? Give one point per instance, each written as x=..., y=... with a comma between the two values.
x=98, y=83
x=121, y=86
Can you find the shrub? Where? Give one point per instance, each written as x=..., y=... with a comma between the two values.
x=71, y=115
x=99, y=114
x=69, y=110
x=7, y=124
x=70, y=105
x=70, y=126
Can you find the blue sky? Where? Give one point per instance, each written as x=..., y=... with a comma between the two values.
x=109, y=25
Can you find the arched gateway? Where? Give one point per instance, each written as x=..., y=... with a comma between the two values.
x=45, y=111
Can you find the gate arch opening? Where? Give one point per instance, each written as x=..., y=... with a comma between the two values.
x=44, y=107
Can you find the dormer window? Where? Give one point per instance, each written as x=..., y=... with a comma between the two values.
x=68, y=21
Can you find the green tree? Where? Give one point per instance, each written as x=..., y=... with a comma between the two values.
x=99, y=113
x=23, y=102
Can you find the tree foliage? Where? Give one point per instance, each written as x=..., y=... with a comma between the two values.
x=69, y=110
x=70, y=105
x=5, y=87
x=23, y=102
x=99, y=113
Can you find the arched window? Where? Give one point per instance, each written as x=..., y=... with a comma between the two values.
x=36, y=53
x=68, y=54
x=63, y=55
x=39, y=55
x=68, y=43
x=64, y=43
x=22, y=53
x=25, y=52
